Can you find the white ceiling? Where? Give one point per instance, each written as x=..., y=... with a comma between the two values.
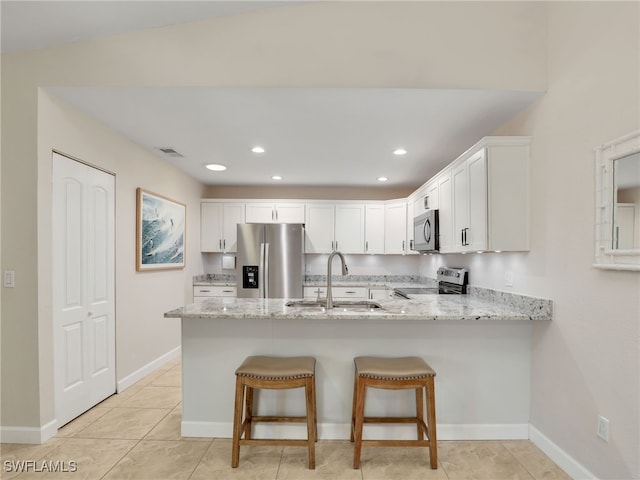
x=320, y=136
x=29, y=25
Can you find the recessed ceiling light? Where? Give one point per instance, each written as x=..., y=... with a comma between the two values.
x=276, y=177
x=382, y=179
x=399, y=151
x=257, y=149
x=216, y=167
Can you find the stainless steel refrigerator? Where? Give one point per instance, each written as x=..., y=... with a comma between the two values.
x=270, y=260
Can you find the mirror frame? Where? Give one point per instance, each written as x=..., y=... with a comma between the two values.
x=606, y=256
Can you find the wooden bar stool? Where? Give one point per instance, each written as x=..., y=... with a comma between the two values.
x=395, y=374
x=273, y=373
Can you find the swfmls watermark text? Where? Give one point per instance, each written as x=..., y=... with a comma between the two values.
x=40, y=466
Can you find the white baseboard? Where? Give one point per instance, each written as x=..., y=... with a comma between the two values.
x=34, y=435
x=150, y=367
x=338, y=431
x=565, y=461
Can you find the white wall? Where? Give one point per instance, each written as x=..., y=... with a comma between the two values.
x=586, y=362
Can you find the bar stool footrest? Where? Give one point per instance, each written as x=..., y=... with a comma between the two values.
x=273, y=441
x=257, y=418
x=396, y=443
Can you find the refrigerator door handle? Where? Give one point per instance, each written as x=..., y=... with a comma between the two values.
x=265, y=276
x=261, y=272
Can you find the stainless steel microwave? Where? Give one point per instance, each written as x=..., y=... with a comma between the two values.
x=426, y=235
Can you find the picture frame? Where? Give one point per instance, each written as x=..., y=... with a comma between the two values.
x=160, y=232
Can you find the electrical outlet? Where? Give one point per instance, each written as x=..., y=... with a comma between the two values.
x=603, y=428
x=508, y=279
x=9, y=278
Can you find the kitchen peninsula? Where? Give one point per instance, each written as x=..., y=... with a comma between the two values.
x=479, y=344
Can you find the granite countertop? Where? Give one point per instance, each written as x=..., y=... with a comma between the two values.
x=421, y=307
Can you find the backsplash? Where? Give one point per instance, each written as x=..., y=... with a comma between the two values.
x=231, y=278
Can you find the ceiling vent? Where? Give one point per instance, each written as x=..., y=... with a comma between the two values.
x=171, y=152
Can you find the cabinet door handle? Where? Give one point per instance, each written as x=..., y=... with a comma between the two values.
x=276, y=214
x=350, y=292
x=224, y=244
x=410, y=244
x=403, y=243
x=205, y=291
x=227, y=291
x=219, y=244
x=464, y=237
x=366, y=246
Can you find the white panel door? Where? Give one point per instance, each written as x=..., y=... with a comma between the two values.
x=83, y=286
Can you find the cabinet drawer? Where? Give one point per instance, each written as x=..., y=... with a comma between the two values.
x=314, y=292
x=337, y=292
x=349, y=292
x=214, y=291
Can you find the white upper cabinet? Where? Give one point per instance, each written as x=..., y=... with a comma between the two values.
x=374, y=228
x=470, y=203
x=445, y=212
x=349, y=228
x=395, y=227
x=330, y=227
x=319, y=228
x=218, y=220
x=275, y=213
x=490, y=195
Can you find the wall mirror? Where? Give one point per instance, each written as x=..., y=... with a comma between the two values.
x=617, y=239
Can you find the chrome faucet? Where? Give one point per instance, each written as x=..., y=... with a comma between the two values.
x=345, y=271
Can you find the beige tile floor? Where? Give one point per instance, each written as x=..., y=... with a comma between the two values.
x=136, y=435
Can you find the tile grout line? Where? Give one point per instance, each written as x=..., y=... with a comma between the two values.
x=120, y=459
x=195, y=467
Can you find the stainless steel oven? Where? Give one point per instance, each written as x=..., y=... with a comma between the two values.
x=451, y=281
x=426, y=235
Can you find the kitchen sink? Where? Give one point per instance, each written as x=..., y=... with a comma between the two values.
x=336, y=304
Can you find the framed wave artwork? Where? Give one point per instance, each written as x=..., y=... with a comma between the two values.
x=160, y=232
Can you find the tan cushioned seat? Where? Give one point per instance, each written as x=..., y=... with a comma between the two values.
x=277, y=368
x=393, y=368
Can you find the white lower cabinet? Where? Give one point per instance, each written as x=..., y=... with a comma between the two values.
x=202, y=292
